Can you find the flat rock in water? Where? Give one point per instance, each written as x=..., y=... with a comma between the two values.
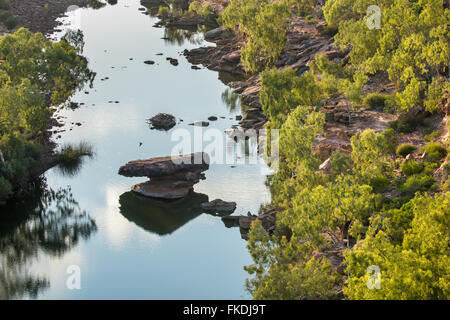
x=170, y=177
x=149, y=62
x=167, y=166
x=212, y=118
x=219, y=206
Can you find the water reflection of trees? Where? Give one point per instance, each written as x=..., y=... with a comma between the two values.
x=178, y=36
x=231, y=100
x=48, y=222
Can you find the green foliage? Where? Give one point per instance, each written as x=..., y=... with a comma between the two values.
x=370, y=155
x=164, y=12
x=5, y=190
x=20, y=156
x=434, y=152
x=56, y=70
x=411, y=167
x=341, y=162
x=11, y=22
x=417, y=183
x=380, y=184
x=71, y=154
x=375, y=100
x=304, y=7
x=352, y=90
x=5, y=5
x=6, y=16
x=283, y=91
x=415, y=268
x=264, y=24
x=280, y=273
x=405, y=149
x=34, y=72
x=70, y=158
x=411, y=45
x=299, y=132
x=432, y=136
x=317, y=211
x=204, y=10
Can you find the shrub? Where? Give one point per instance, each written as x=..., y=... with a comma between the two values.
x=411, y=167
x=340, y=162
x=430, y=167
x=4, y=14
x=432, y=136
x=163, y=12
x=11, y=22
x=434, y=152
x=5, y=189
x=71, y=154
x=375, y=100
x=20, y=156
x=379, y=184
x=391, y=140
x=406, y=124
x=447, y=168
x=405, y=149
x=417, y=183
x=4, y=5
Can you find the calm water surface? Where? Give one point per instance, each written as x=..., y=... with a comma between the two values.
x=125, y=246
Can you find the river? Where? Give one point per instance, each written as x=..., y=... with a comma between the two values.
x=124, y=247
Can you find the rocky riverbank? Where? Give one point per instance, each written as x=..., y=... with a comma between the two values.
x=41, y=15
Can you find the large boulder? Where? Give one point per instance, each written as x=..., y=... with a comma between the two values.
x=169, y=177
x=166, y=166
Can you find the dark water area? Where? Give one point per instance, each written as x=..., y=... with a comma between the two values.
x=125, y=246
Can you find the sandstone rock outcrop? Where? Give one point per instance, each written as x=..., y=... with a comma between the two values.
x=169, y=177
x=219, y=206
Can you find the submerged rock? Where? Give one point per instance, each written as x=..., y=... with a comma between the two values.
x=170, y=177
x=212, y=118
x=199, y=123
x=162, y=121
x=149, y=62
x=219, y=206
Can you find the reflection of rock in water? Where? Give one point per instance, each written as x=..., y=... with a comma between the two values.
x=161, y=216
x=48, y=222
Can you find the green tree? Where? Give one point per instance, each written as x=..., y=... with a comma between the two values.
x=418, y=267
x=263, y=24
